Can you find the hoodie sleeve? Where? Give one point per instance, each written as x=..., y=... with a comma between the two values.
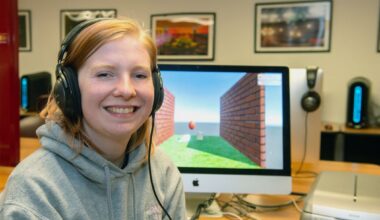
x=19, y=200
x=14, y=211
x=28, y=193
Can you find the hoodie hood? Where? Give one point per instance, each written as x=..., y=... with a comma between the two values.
x=88, y=162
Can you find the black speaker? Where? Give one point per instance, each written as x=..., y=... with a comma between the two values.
x=34, y=90
x=311, y=100
x=357, y=102
x=66, y=88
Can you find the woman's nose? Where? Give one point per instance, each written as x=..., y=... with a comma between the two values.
x=125, y=87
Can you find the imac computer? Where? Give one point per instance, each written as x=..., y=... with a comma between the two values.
x=227, y=128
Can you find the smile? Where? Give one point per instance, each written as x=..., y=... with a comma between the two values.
x=119, y=110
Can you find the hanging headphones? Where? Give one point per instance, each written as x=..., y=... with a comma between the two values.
x=311, y=100
x=66, y=89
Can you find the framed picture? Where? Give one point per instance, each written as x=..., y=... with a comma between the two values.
x=184, y=36
x=70, y=18
x=293, y=26
x=378, y=37
x=25, y=30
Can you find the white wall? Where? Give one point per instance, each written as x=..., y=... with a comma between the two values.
x=353, y=47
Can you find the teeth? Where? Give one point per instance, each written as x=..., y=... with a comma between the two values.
x=120, y=110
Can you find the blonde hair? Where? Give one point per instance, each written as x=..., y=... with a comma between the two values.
x=83, y=46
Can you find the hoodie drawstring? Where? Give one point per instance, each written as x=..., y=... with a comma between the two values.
x=108, y=188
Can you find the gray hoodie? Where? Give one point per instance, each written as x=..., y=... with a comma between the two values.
x=56, y=183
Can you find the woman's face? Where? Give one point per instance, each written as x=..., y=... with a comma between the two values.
x=116, y=89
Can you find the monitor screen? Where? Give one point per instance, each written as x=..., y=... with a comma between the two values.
x=227, y=127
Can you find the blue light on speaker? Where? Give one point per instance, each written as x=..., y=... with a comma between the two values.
x=357, y=110
x=24, y=93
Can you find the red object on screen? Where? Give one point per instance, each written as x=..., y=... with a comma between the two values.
x=191, y=125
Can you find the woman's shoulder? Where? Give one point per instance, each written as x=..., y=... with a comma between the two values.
x=33, y=183
x=41, y=166
x=36, y=161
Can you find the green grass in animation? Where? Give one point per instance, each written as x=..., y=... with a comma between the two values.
x=212, y=151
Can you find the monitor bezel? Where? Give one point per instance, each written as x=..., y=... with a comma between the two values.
x=286, y=170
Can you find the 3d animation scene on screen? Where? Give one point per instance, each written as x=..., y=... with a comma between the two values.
x=219, y=120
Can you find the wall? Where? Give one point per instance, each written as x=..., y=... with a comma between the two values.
x=242, y=113
x=353, y=47
x=165, y=118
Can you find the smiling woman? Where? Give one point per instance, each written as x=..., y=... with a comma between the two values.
x=92, y=163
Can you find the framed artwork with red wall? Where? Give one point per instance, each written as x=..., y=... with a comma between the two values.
x=184, y=36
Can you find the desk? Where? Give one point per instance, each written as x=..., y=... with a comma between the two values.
x=24, y=113
x=302, y=185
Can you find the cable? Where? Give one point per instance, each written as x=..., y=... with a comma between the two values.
x=203, y=205
x=296, y=205
x=313, y=174
x=150, y=169
x=243, y=208
x=233, y=215
x=278, y=205
x=304, y=144
x=298, y=194
x=237, y=208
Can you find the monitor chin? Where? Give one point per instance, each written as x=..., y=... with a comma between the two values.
x=224, y=183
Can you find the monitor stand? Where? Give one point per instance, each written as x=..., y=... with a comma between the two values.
x=194, y=199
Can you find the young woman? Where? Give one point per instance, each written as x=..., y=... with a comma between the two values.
x=93, y=160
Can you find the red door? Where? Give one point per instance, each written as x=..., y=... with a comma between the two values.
x=9, y=85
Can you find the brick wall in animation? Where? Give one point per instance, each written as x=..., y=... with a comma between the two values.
x=165, y=118
x=242, y=114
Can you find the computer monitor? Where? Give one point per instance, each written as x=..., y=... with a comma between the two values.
x=35, y=88
x=227, y=128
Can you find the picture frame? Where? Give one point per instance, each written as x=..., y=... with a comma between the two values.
x=25, y=31
x=378, y=36
x=70, y=18
x=293, y=26
x=184, y=36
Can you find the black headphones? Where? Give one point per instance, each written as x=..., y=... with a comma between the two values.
x=311, y=99
x=66, y=89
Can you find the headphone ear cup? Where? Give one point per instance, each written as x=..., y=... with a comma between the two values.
x=310, y=101
x=67, y=93
x=158, y=90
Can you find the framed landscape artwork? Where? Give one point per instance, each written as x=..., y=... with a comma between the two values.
x=184, y=36
x=293, y=26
